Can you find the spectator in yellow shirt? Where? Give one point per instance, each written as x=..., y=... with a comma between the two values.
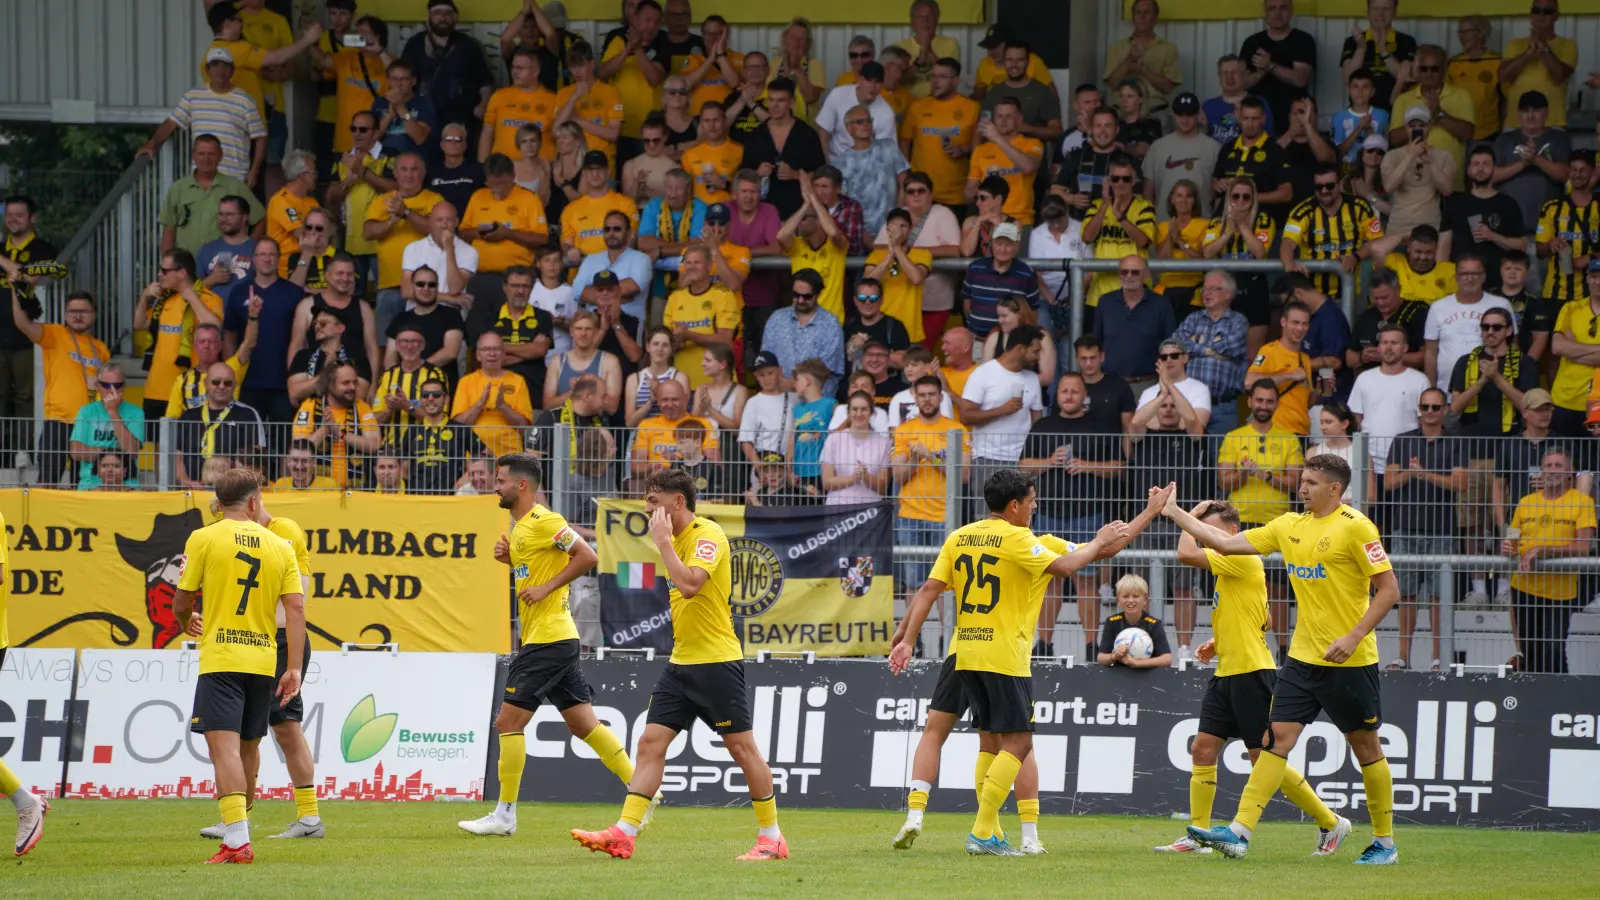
x=493, y=400
x=339, y=424
x=523, y=102
x=925, y=47
x=170, y=308
x=301, y=464
x=395, y=220
x=991, y=70
x=1556, y=521
x=700, y=313
x=1543, y=61
x=1289, y=368
x=583, y=218
x=1008, y=154
x=813, y=240
x=713, y=160
x=635, y=59
x=592, y=105
x=72, y=359
x=287, y=209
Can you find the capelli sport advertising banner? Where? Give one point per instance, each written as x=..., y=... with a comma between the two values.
x=99, y=570
x=815, y=578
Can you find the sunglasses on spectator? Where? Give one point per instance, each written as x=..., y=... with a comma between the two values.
x=804, y=295
x=868, y=298
x=1120, y=179
x=654, y=140
x=219, y=382
x=425, y=284
x=1132, y=273
x=316, y=228
x=676, y=91
x=1323, y=186
x=168, y=271
x=1244, y=196
x=860, y=54
x=432, y=395
x=360, y=129
x=1543, y=10
x=1491, y=326
x=1169, y=356
x=1430, y=68
x=916, y=190
x=1429, y=407
x=113, y=385
x=614, y=229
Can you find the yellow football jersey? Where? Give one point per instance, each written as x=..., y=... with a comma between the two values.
x=1426, y=287
x=540, y=546
x=997, y=571
x=702, y=625
x=1330, y=562
x=1239, y=614
x=240, y=570
x=290, y=530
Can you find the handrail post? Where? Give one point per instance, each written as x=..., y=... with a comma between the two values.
x=1360, y=472
x=1446, y=626
x=1079, y=297
x=560, y=467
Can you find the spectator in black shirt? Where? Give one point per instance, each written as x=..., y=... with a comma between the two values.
x=455, y=176
x=1079, y=467
x=1167, y=447
x=1280, y=60
x=1256, y=155
x=1133, y=598
x=330, y=348
x=435, y=451
x=1109, y=401
x=1481, y=220
x=450, y=68
x=780, y=169
x=440, y=327
x=1306, y=149
x=219, y=426
x=885, y=382
x=1426, y=471
x=1135, y=131
x=1381, y=49
x=1079, y=175
x=25, y=258
x=621, y=335
x=1387, y=309
x=1536, y=315
x=772, y=484
x=870, y=324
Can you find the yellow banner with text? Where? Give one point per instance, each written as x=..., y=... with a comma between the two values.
x=98, y=570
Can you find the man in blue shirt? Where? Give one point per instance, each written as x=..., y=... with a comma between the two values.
x=107, y=424
x=664, y=230
x=1131, y=324
x=407, y=122
x=1216, y=339
x=265, y=385
x=997, y=277
x=1221, y=116
x=805, y=331
x=225, y=261
x=632, y=268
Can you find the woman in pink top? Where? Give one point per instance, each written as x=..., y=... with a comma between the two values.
x=855, y=460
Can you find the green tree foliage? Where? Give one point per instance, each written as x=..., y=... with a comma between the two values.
x=66, y=169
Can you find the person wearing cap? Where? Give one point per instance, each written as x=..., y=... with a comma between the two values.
x=593, y=105
x=766, y=412
x=621, y=335
x=1517, y=457
x=937, y=133
x=631, y=267
x=525, y=101
x=635, y=59
x=900, y=271
x=1187, y=154
x=505, y=224
x=1543, y=61
x=1576, y=344
x=1009, y=153
x=544, y=30
x=873, y=167
x=813, y=241
x=1416, y=176
x=1531, y=160
x=867, y=92
x=396, y=220
x=1452, y=116
x=1568, y=234
x=1145, y=57
x=729, y=263
x=1379, y=47
x=1482, y=220
x=925, y=47
x=220, y=109
x=996, y=277
x=701, y=313
x=773, y=486
x=713, y=159
x=1036, y=101
x=583, y=218
x=449, y=68
x=991, y=70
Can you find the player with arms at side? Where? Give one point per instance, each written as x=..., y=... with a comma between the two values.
x=1334, y=558
x=244, y=571
x=704, y=679
x=285, y=719
x=545, y=555
x=949, y=704
x=30, y=806
x=998, y=569
x=1238, y=699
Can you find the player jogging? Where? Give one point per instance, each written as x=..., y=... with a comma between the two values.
x=704, y=678
x=545, y=555
x=244, y=571
x=1238, y=699
x=949, y=704
x=1332, y=553
x=30, y=806
x=998, y=568
x=284, y=720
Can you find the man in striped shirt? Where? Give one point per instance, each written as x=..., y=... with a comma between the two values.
x=221, y=109
x=995, y=278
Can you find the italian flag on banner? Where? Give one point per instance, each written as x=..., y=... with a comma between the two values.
x=636, y=576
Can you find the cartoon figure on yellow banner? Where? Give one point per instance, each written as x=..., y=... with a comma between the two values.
x=160, y=558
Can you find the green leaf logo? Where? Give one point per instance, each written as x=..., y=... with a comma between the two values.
x=365, y=732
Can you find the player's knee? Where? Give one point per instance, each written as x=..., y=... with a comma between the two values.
x=655, y=740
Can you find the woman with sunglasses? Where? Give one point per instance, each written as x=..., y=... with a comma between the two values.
x=1182, y=236
x=978, y=230
x=532, y=171
x=1010, y=313
x=1366, y=178
x=639, y=394
x=1242, y=230
x=683, y=130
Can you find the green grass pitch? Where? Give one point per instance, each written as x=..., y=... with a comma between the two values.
x=129, y=849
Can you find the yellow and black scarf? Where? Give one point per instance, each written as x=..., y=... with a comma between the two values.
x=1510, y=367
x=570, y=419
x=668, y=233
x=185, y=340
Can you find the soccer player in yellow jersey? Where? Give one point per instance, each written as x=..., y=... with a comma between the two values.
x=998, y=570
x=244, y=571
x=545, y=555
x=950, y=701
x=30, y=806
x=704, y=679
x=285, y=720
x=1238, y=699
x=1334, y=559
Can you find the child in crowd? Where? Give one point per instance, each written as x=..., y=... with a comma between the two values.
x=1133, y=599
x=1352, y=126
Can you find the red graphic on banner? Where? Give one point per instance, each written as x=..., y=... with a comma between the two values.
x=414, y=787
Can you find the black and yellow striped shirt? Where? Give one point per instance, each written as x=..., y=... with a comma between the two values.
x=189, y=391
x=1580, y=227
x=316, y=268
x=1321, y=235
x=396, y=380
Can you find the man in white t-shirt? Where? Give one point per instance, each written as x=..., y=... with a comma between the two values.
x=1451, y=330
x=868, y=92
x=1384, y=398
x=1172, y=377
x=766, y=413
x=999, y=404
x=553, y=295
x=452, y=258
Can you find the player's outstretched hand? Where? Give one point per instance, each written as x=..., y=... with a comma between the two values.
x=1208, y=651
x=502, y=550
x=1160, y=497
x=288, y=686
x=195, y=627
x=900, y=657
x=1111, y=532
x=1341, y=650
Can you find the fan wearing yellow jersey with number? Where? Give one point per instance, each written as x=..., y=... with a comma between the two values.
x=704, y=679
x=998, y=570
x=30, y=806
x=545, y=555
x=1334, y=559
x=950, y=702
x=244, y=571
x=1238, y=699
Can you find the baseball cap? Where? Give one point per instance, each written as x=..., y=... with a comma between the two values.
x=772, y=456
x=605, y=278
x=992, y=38
x=1185, y=104
x=1594, y=265
x=219, y=54
x=556, y=12
x=1375, y=142
x=764, y=359
x=1417, y=113
x=1006, y=230
x=874, y=342
x=718, y=214
x=1536, y=398
x=871, y=71
x=596, y=159
x=1533, y=100
x=1594, y=413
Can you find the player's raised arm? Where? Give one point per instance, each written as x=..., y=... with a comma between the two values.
x=1152, y=509
x=1386, y=593
x=1190, y=553
x=1209, y=535
x=687, y=579
x=1068, y=564
x=905, y=636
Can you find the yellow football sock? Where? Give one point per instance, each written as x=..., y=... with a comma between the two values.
x=1380, y=796
x=985, y=760
x=9, y=782
x=917, y=800
x=1202, y=793
x=1299, y=792
x=1028, y=810
x=305, y=802
x=1265, y=777
x=996, y=787
x=766, y=811
x=232, y=806
x=603, y=741
x=513, y=756
x=633, y=808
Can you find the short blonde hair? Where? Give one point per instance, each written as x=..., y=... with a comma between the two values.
x=1132, y=584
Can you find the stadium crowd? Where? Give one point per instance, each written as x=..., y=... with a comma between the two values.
x=458, y=265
